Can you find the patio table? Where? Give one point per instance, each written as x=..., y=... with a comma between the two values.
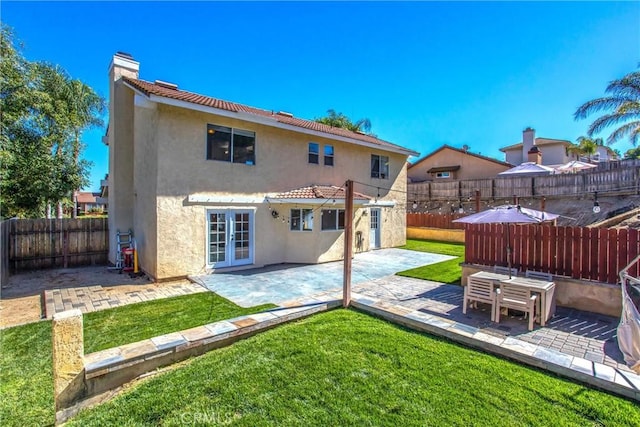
x=545, y=288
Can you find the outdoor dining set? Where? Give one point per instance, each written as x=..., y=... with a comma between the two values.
x=532, y=294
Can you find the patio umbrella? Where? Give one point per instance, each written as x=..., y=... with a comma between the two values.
x=575, y=166
x=508, y=214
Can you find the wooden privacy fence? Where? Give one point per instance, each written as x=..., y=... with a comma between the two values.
x=48, y=243
x=434, y=220
x=623, y=180
x=578, y=252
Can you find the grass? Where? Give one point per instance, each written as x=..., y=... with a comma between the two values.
x=347, y=368
x=26, y=379
x=446, y=271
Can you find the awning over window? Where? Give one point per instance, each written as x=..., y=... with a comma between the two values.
x=444, y=169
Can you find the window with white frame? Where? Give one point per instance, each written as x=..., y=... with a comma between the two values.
x=333, y=219
x=443, y=174
x=301, y=219
x=328, y=155
x=314, y=153
x=379, y=166
x=231, y=145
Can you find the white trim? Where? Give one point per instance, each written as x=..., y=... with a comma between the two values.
x=143, y=102
x=129, y=64
x=326, y=202
x=253, y=118
x=201, y=198
x=381, y=203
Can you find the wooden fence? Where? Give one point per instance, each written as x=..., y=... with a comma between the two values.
x=581, y=253
x=49, y=243
x=434, y=220
x=621, y=180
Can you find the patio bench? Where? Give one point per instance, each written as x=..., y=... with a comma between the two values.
x=479, y=290
x=515, y=297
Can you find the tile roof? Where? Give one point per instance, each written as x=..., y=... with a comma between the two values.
x=444, y=169
x=166, y=91
x=319, y=192
x=445, y=146
x=85, y=197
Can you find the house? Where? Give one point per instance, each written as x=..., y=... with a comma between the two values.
x=450, y=163
x=88, y=202
x=546, y=151
x=206, y=184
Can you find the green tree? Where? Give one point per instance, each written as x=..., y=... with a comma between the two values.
x=632, y=153
x=621, y=108
x=44, y=113
x=586, y=147
x=339, y=120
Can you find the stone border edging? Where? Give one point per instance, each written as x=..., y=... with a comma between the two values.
x=108, y=369
x=594, y=374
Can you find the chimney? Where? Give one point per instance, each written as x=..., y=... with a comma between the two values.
x=528, y=141
x=534, y=155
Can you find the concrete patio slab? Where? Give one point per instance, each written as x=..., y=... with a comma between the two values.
x=284, y=282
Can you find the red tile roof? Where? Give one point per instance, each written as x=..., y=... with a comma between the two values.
x=181, y=95
x=85, y=197
x=319, y=192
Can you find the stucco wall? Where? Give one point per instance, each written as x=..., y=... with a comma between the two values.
x=514, y=156
x=553, y=154
x=281, y=165
x=120, y=157
x=439, y=234
x=471, y=167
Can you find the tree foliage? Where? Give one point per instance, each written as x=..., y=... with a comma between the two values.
x=632, y=153
x=586, y=147
x=44, y=113
x=621, y=109
x=339, y=120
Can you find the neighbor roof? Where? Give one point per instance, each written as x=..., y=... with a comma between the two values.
x=480, y=156
x=538, y=141
x=319, y=192
x=444, y=169
x=85, y=197
x=166, y=91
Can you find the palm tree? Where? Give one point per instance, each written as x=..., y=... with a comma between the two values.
x=621, y=107
x=339, y=120
x=588, y=146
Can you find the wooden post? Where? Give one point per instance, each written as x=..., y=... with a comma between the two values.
x=65, y=248
x=348, y=244
x=542, y=203
x=515, y=200
x=477, y=201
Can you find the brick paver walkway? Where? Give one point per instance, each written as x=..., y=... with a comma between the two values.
x=93, y=298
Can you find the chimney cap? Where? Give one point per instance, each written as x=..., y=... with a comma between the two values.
x=534, y=150
x=528, y=129
x=124, y=55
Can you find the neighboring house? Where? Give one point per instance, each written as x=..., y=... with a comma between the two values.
x=550, y=151
x=449, y=163
x=603, y=154
x=207, y=184
x=90, y=202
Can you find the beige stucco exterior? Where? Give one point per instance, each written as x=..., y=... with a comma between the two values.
x=552, y=154
x=471, y=166
x=171, y=186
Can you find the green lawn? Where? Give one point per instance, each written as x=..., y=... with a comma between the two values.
x=446, y=271
x=26, y=382
x=347, y=368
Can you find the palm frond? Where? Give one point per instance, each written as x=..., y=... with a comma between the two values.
x=607, y=120
x=601, y=104
x=632, y=129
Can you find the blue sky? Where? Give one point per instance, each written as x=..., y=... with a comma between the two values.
x=425, y=74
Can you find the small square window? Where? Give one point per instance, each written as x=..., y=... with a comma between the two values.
x=314, y=153
x=301, y=220
x=328, y=155
x=379, y=166
x=443, y=175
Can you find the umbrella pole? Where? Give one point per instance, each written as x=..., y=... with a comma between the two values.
x=508, y=252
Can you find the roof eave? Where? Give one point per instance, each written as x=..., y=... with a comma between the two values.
x=266, y=121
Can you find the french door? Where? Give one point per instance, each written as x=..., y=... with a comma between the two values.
x=230, y=239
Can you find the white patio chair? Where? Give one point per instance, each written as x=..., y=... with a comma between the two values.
x=479, y=290
x=516, y=298
x=538, y=275
x=504, y=270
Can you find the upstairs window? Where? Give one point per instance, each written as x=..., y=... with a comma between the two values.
x=301, y=219
x=443, y=175
x=333, y=219
x=328, y=155
x=314, y=153
x=379, y=166
x=231, y=145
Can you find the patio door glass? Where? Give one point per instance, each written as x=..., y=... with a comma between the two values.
x=230, y=238
x=374, y=234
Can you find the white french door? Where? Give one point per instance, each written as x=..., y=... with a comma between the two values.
x=230, y=239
